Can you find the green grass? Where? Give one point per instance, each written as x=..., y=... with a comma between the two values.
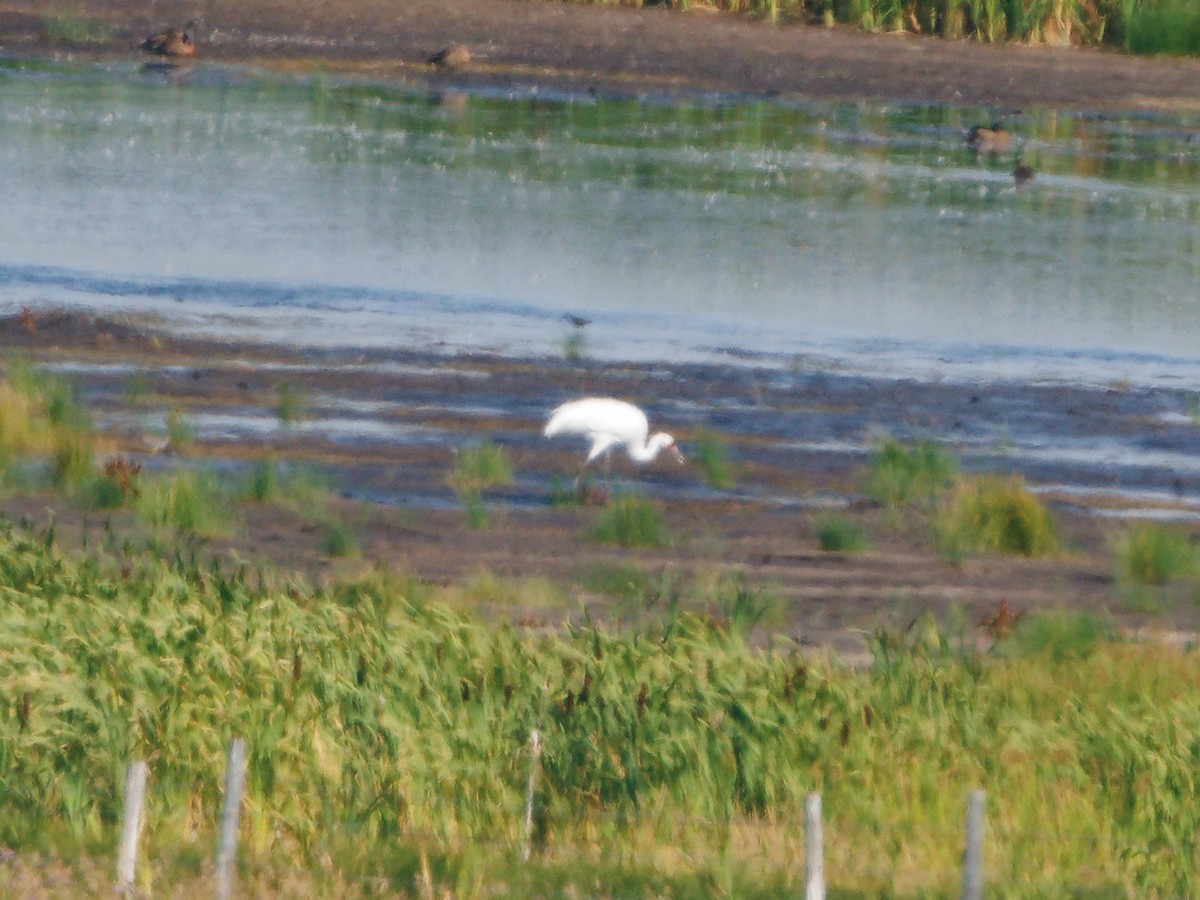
x=387, y=733
x=483, y=466
x=636, y=590
x=337, y=539
x=1153, y=555
x=76, y=29
x=476, y=469
x=836, y=533
x=1061, y=635
x=180, y=433
x=713, y=457
x=989, y=514
x=899, y=474
x=1147, y=26
x=574, y=346
x=40, y=419
x=1154, y=27
x=630, y=521
x=184, y=501
x=272, y=481
x=292, y=406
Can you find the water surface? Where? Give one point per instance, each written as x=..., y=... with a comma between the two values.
x=864, y=237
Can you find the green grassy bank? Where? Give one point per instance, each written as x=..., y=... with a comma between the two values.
x=388, y=744
x=1138, y=26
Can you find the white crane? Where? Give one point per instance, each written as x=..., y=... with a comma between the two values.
x=610, y=423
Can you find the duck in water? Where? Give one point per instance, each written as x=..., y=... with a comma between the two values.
x=985, y=139
x=452, y=56
x=174, y=43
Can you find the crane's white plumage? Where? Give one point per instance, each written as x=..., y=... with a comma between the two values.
x=610, y=423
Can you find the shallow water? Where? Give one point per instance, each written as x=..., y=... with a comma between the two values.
x=861, y=238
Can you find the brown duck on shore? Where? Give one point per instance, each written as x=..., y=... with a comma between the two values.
x=1022, y=174
x=452, y=56
x=985, y=139
x=174, y=42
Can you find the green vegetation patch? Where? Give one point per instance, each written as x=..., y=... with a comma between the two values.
x=1153, y=555
x=990, y=514
x=901, y=473
x=185, y=501
x=630, y=521
x=476, y=469
x=385, y=727
x=1154, y=27
x=76, y=29
x=713, y=457
x=838, y=534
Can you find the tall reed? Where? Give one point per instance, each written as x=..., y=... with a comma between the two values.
x=384, y=726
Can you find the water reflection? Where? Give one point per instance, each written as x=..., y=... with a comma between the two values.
x=858, y=232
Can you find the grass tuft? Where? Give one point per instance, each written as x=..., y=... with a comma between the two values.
x=337, y=539
x=76, y=29
x=184, y=501
x=995, y=515
x=630, y=521
x=837, y=534
x=574, y=346
x=476, y=469
x=1059, y=635
x=180, y=433
x=1148, y=554
x=1170, y=27
x=292, y=406
x=713, y=457
x=900, y=473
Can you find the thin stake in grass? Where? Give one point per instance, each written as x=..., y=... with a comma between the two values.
x=131, y=829
x=535, y=758
x=814, y=849
x=235, y=780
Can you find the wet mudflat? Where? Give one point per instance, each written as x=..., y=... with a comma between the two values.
x=383, y=428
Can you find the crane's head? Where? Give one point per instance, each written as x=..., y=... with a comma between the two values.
x=663, y=441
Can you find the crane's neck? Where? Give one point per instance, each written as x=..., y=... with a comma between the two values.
x=644, y=453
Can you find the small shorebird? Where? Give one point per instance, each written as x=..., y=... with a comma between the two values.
x=577, y=321
x=1022, y=174
x=984, y=139
x=610, y=423
x=174, y=42
x=452, y=56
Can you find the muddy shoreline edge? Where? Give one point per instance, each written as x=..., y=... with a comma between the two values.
x=609, y=50
x=391, y=487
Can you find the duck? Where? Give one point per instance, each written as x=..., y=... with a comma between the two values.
x=988, y=139
x=174, y=42
x=1022, y=174
x=452, y=56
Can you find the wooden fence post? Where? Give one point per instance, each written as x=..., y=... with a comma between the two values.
x=131, y=829
x=235, y=779
x=814, y=849
x=973, y=853
x=535, y=754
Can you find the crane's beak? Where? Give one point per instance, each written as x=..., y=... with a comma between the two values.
x=678, y=455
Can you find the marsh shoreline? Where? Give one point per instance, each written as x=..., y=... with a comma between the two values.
x=608, y=50
x=383, y=430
